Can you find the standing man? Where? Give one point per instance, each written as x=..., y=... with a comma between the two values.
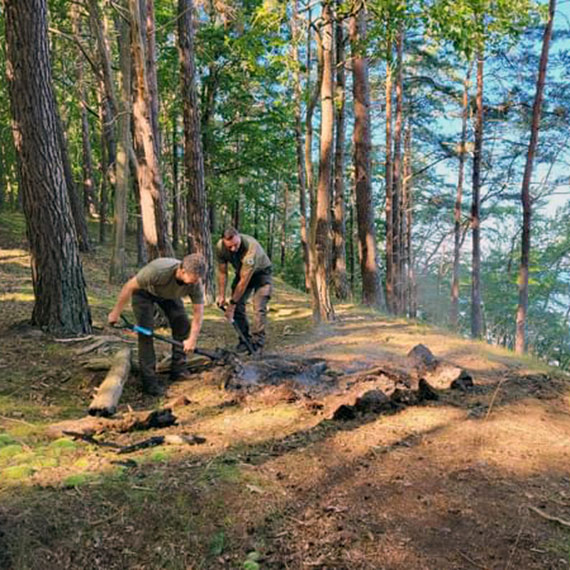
x=164, y=281
x=252, y=275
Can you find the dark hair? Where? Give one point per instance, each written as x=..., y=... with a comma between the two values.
x=194, y=263
x=229, y=233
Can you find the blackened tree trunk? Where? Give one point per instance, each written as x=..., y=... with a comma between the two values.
x=371, y=289
x=476, y=312
x=148, y=171
x=118, y=269
x=61, y=303
x=199, y=239
x=389, y=184
x=454, y=313
x=340, y=282
x=320, y=241
x=521, y=337
x=299, y=144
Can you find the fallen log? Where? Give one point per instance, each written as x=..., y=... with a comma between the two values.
x=133, y=421
x=109, y=393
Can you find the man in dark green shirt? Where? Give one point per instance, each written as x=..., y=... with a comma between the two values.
x=164, y=281
x=252, y=275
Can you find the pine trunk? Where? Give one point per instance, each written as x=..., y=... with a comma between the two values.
x=390, y=302
x=454, y=314
x=199, y=239
x=371, y=289
x=521, y=337
x=320, y=242
x=476, y=313
x=340, y=282
x=60, y=300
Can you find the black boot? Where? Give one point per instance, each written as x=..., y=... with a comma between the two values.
x=151, y=386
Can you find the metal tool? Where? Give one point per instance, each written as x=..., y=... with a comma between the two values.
x=242, y=337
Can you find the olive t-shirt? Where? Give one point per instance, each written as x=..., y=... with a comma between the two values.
x=250, y=255
x=159, y=278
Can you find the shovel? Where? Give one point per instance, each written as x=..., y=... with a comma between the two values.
x=242, y=337
x=211, y=354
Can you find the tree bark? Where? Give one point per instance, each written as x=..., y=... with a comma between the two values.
x=476, y=313
x=148, y=171
x=454, y=312
x=340, y=282
x=118, y=269
x=389, y=185
x=60, y=300
x=371, y=289
x=199, y=239
x=299, y=144
x=522, y=309
x=320, y=241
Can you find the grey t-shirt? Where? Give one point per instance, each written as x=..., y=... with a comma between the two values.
x=159, y=278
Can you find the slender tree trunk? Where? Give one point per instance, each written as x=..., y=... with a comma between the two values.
x=371, y=289
x=89, y=204
x=521, y=336
x=149, y=35
x=320, y=241
x=176, y=206
x=284, y=225
x=476, y=314
x=299, y=143
x=197, y=212
x=407, y=266
x=148, y=171
x=389, y=185
x=118, y=269
x=339, y=223
x=397, y=177
x=60, y=300
x=454, y=314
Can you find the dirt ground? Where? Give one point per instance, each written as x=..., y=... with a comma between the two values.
x=475, y=479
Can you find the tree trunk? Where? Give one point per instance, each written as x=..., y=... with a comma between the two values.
x=397, y=178
x=148, y=171
x=521, y=337
x=149, y=35
x=299, y=143
x=199, y=239
x=320, y=241
x=407, y=267
x=389, y=185
x=176, y=202
x=118, y=269
x=476, y=314
x=284, y=226
x=371, y=290
x=89, y=204
x=60, y=300
x=454, y=313
x=340, y=282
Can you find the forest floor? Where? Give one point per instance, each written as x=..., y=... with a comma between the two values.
x=465, y=481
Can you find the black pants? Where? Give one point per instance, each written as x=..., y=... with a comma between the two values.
x=260, y=286
x=143, y=307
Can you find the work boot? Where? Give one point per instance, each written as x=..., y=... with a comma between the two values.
x=241, y=348
x=151, y=386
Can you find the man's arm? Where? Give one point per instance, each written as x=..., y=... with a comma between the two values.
x=238, y=293
x=124, y=296
x=197, y=320
x=222, y=278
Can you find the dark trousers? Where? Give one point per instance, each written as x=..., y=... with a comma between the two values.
x=143, y=306
x=260, y=287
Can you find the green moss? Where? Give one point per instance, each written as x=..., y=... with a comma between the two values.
x=62, y=446
x=6, y=439
x=77, y=480
x=17, y=472
x=9, y=451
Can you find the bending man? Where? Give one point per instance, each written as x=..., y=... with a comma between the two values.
x=164, y=281
x=252, y=275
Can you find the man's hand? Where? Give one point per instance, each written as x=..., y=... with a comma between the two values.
x=189, y=345
x=113, y=317
x=230, y=310
x=221, y=300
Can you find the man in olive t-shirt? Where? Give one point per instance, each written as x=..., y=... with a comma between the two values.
x=252, y=275
x=165, y=281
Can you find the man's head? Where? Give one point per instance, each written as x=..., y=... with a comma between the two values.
x=192, y=269
x=231, y=239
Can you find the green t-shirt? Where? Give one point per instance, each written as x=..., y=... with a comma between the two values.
x=159, y=278
x=250, y=255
